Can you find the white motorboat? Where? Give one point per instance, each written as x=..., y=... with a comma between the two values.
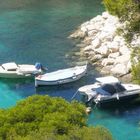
x=13, y=70
x=61, y=76
x=109, y=90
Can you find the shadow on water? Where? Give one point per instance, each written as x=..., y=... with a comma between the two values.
x=18, y=86
x=68, y=90
x=11, y=83
x=129, y=112
x=65, y=90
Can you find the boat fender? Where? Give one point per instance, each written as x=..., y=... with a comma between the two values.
x=19, y=73
x=27, y=75
x=117, y=97
x=74, y=76
x=88, y=110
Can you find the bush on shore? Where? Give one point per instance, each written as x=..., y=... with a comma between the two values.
x=46, y=118
x=128, y=11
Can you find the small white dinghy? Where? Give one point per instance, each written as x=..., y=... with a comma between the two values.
x=13, y=70
x=61, y=76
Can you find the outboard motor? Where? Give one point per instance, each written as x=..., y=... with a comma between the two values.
x=39, y=66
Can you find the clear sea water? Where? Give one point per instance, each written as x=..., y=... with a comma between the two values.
x=37, y=31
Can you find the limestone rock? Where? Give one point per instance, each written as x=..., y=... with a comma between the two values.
x=113, y=46
x=113, y=55
x=96, y=43
x=108, y=61
x=78, y=34
x=102, y=43
x=105, y=15
x=106, y=69
x=124, y=50
x=119, y=69
x=123, y=59
x=102, y=50
x=96, y=57
x=88, y=48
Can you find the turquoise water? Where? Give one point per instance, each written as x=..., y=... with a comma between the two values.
x=32, y=31
x=122, y=121
x=37, y=31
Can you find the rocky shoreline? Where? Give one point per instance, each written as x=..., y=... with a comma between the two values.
x=101, y=44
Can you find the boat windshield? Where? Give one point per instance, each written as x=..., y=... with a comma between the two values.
x=119, y=87
x=113, y=88
x=109, y=88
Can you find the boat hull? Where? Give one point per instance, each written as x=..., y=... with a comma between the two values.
x=21, y=71
x=15, y=75
x=114, y=101
x=58, y=82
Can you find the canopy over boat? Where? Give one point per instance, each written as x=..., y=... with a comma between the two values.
x=107, y=79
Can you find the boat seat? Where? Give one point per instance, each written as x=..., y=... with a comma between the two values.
x=12, y=66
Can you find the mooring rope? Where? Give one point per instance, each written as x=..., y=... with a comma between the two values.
x=74, y=95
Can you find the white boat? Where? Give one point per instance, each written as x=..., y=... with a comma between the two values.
x=13, y=70
x=61, y=76
x=109, y=90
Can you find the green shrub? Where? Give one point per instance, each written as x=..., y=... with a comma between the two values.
x=47, y=118
x=126, y=10
x=135, y=57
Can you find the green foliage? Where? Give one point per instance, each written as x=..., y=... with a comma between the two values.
x=47, y=118
x=136, y=65
x=128, y=11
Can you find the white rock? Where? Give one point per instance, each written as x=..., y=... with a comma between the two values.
x=129, y=66
x=90, y=27
x=119, y=69
x=102, y=35
x=92, y=33
x=102, y=50
x=113, y=46
x=106, y=69
x=105, y=15
x=114, y=55
x=84, y=29
x=118, y=38
x=122, y=42
x=96, y=42
x=104, y=42
x=124, y=50
x=88, y=48
x=110, y=37
x=98, y=18
x=85, y=24
x=109, y=28
x=123, y=59
x=96, y=57
x=107, y=61
x=112, y=20
x=135, y=41
x=135, y=59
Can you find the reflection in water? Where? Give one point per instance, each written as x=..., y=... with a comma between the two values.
x=121, y=120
